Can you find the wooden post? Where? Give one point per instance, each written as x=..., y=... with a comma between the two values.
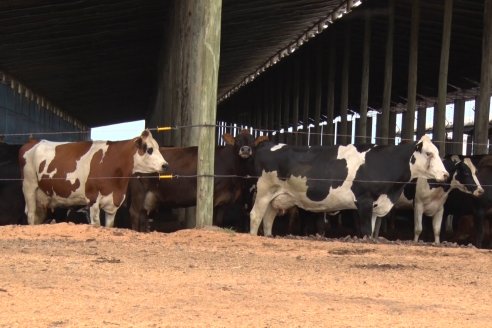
x=482, y=111
x=206, y=96
x=392, y=128
x=421, y=118
x=342, y=127
x=440, y=128
x=409, y=121
x=364, y=93
x=266, y=106
x=306, y=96
x=384, y=118
x=458, y=126
x=286, y=108
x=315, y=135
x=271, y=114
x=278, y=106
x=295, y=101
x=330, y=104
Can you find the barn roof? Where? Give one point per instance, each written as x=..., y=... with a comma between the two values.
x=98, y=59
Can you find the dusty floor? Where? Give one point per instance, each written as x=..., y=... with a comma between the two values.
x=67, y=275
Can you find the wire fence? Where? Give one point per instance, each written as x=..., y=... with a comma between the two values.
x=254, y=131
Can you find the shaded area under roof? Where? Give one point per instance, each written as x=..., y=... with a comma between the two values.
x=464, y=59
x=98, y=59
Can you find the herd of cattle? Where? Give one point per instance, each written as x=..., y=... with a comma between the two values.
x=348, y=188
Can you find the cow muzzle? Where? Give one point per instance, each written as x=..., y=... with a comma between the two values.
x=245, y=152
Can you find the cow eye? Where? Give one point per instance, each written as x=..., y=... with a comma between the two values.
x=429, y=154
x=150, y=150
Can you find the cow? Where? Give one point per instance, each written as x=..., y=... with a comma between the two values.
x=429, y=196
x=93, y=173
x=231, y=161
x=11, y=199
x=460, y=204
x=368, y=178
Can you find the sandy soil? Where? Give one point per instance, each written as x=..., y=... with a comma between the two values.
x=66, y=275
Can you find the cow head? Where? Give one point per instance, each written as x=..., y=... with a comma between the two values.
x=425, y=161
x=465, y=177
x=244, y=143
x=147, y=158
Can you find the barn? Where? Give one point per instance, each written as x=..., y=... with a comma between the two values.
x=317, y=72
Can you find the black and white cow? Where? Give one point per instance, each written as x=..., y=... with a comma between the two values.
x=328, y=179
x=427, y=197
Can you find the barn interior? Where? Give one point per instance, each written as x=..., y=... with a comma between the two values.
x=99, y=62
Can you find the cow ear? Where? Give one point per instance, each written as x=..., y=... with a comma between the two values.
x=260, y=139
x=145, y=134
x=229, y=139
x=139, y=142
x=419, y=146
x=455, y=159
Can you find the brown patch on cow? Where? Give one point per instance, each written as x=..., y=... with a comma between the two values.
x=25, y=148
x=41, y=166
x=145, y=133
x=260, y=139
x=64, y=162
x=229, y=139
x=110, y=174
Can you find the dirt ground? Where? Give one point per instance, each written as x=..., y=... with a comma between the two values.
x=66, y=275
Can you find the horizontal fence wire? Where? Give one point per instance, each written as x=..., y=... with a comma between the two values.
x=233, y=176
x=233, y=127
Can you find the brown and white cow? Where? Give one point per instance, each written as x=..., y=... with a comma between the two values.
x=93, y=173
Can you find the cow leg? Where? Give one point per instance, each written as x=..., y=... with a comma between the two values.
x=257, y=213
x=110, y=218
x=418, y=212
x=94, y=210
x=436, y=225
x=30, y=198
x=375, y=225
x=268, y=220
x=364, y=209
x=478, y=223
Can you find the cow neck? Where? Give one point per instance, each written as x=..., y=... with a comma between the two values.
x=404, y=151
x=122, y=149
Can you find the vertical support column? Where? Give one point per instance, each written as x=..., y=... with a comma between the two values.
x=266, y=106
x=295, y=102
x=421, y=118
x=342, y=127
x=458, y=126
x=330, y=103
x=364, y=93
x=286, y=108
x=271, y=114
x=440, y=128
x=316, y=132
x=409, y=118
x=383, y=128
x=204, y=64
x=392, y=128
x=482, y=111
x=278, y=106
x=306, y=99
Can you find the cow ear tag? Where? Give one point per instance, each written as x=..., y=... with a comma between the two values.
x=229, y=139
